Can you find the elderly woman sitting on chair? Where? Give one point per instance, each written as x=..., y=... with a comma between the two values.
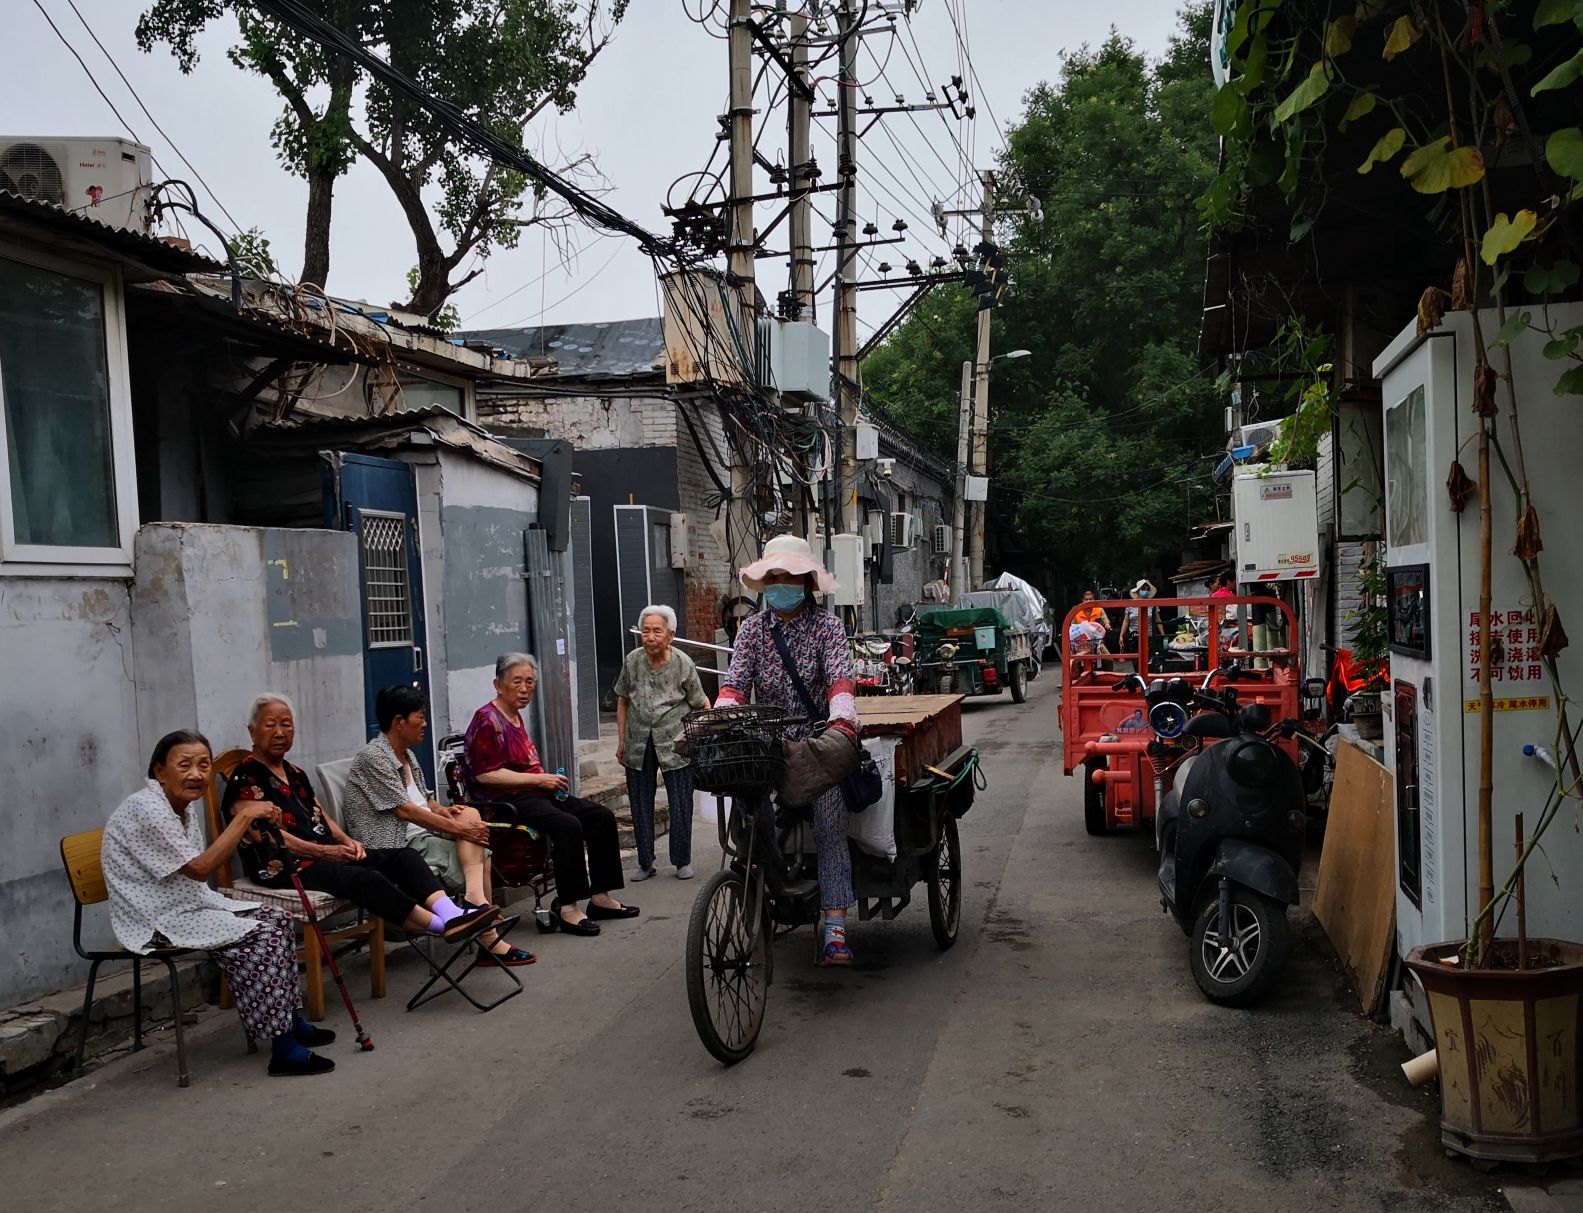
x=393, y=882
x=157, y=866
x=503, y=768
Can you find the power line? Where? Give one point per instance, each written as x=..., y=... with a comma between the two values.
x=173, y=147
x=614, y=253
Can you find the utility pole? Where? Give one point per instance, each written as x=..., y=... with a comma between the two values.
x=740, y=242
x=959, y=507
x=799, y=151
x=846, y=344
x=979, y=462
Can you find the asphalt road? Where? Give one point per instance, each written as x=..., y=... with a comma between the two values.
x=1058, y=1058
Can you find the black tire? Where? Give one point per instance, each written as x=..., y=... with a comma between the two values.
x=945, y=887
x=727, y=969
x=1018, y=676
x=1094, y=798
x=1244, y=975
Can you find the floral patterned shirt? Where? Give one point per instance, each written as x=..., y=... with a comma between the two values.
x=497, y=743
x=657, y=702
x=819, y=649
x=264, y=858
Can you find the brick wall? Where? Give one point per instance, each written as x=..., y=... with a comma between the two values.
x=709, y=577
x=590, y=423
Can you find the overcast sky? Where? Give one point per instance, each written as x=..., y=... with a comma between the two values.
x=647, y=112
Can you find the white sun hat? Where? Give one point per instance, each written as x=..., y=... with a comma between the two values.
x=787, y=554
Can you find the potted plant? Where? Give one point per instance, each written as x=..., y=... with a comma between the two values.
x=1371, y=653
x=1439, y=94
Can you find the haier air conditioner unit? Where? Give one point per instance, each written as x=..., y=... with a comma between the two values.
x=901, y=532
x=108, y=180
x=942, y=539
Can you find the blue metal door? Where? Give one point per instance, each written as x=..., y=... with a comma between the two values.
x=377, y=500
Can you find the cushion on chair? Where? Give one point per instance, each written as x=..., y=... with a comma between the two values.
x=332, y=783
x=323, y=904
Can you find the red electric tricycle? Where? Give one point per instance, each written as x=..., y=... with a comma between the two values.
x=1126, y=699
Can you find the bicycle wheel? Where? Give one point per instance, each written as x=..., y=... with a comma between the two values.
x=727, y=968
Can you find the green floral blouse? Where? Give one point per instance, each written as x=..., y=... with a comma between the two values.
x=657, y=700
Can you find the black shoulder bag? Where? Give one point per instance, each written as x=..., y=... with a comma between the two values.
x=863, y=786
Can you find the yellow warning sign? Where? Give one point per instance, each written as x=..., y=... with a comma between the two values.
x=1526, y=703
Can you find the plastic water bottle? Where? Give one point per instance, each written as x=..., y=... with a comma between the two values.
x=560, y=793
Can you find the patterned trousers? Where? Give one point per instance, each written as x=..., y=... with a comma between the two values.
x=641, y=786
x=262, y=970
x=830, y=844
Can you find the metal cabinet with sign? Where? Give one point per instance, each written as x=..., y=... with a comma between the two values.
x=1432, y=580
x=1277, y=525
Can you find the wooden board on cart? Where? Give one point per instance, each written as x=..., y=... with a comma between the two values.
x=929, y=726
x=1355, y=898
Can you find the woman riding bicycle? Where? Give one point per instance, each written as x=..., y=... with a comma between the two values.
x=788, y=575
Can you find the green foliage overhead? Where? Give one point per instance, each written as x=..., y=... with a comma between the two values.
x=501, y=62
x=1101, y=443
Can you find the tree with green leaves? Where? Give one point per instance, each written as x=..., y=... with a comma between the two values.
x=502, y=61
x=1101, y=444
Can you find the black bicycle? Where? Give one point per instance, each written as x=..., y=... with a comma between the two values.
x=769, y=884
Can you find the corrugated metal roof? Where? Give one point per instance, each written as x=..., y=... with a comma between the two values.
x=617, y=349
x=445, y=426
x=145, y=250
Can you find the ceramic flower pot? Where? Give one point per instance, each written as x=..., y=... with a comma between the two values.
x=1507, y=1043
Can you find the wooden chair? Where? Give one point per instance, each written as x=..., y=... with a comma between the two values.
x=80, y=853
x=370, y=928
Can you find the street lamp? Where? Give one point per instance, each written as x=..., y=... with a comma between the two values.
x=969, y=425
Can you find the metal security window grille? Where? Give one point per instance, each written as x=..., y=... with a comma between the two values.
x=387, y=601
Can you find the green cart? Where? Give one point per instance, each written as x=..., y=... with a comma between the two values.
x=971, y=651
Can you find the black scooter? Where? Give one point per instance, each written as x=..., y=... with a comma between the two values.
x=1230, y=835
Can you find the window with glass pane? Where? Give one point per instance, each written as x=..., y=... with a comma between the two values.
x=55, y=382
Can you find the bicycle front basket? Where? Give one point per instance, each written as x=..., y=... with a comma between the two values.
x=737, y=749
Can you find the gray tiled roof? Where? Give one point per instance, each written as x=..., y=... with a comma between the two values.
x=617, y=349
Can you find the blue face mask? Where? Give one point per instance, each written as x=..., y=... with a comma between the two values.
x=785, y=597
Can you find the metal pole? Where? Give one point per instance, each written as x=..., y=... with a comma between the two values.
x=959, y=507
x=980, y=453
x=846, y=343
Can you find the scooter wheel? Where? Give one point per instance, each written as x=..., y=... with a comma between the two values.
x=1239, y=970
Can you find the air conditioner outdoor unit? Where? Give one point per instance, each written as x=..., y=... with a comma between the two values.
x=104, y=179
x=942, y=539
x=901, y=532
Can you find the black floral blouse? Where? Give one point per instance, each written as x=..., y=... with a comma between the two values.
x=264, y=857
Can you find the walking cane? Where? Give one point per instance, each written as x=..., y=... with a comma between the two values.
x=364, y=1041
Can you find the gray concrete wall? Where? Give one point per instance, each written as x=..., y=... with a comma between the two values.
x=222, y=613
x=928, y=499
x=95, y=671
x=68, y=754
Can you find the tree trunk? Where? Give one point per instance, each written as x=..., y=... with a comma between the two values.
x=433, y=287
x=316, y=237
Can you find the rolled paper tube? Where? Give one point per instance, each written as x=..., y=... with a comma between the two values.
x=1421, y=1069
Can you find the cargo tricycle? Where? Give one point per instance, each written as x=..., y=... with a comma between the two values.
x=768, y=884
x=971, y=650
x=1123, y=713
